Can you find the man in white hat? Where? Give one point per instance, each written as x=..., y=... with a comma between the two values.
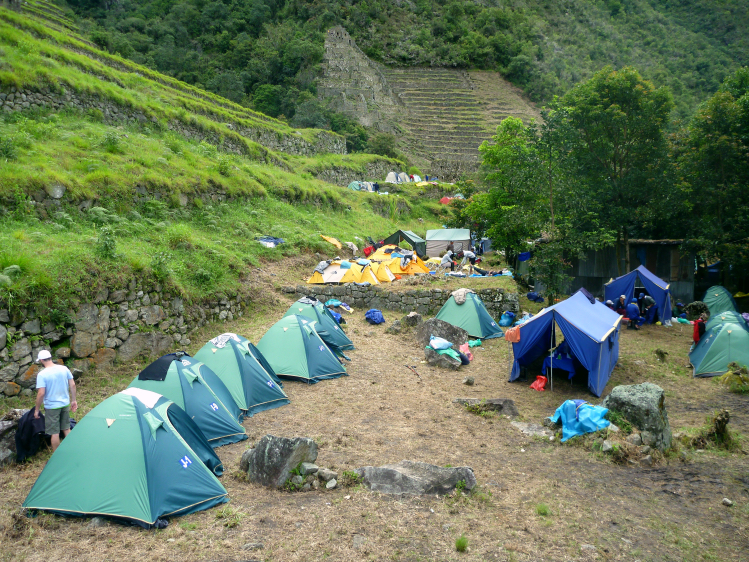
x=55, y=386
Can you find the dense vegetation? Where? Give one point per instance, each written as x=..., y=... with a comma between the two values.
x=601, y=169
x=266, y=53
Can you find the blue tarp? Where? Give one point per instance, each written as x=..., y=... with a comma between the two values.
x=590, y=329
x=657, y=288
x=578, y=417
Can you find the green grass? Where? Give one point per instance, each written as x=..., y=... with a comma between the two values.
x=461, y=543
x=543, y=510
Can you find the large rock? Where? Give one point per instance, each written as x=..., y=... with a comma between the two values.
x=9, y=372
x=504, y=406
x=643, y=405
x=87, y=318
x=443, y=361
x=8, y=426
x=152, y=314
x=3, y=336
x=412, y=320
x=273, y=459
x=32, y=327
x=83, y=344
x=21, y=349
x=104, y=358
x=144, y=344
x=438, y=328
x=416, y=478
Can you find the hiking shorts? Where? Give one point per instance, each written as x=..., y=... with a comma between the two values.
x=56, y=420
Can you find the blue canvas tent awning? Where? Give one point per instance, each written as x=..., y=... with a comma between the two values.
x=656, y=287
x=590, y=329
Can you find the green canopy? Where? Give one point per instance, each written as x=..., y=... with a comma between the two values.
x=723, y=344
x=126, y=460
x=238, y=364
x=197, y=390
x=472, y=316
x=718, y=299
x=418, y=244
x=295, y=350
x=327, y=327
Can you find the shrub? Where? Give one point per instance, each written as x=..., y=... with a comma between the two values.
x=543, y=510
x=106, y=244
x=160, y=266
x=223, y=165
x=461, y=543
x=8, y=149
x=179, y=236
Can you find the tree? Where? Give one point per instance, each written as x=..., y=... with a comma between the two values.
x=713, y=163
x=615, y=131
x=383, y=144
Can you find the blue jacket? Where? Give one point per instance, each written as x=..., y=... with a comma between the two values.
x=633, y=311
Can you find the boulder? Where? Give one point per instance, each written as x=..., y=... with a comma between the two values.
x=326, y=474
x=443, y=361
x=9, y=372
x=412, y=320
x=21, y=349
x=394, y=328
x=32, y=327
x=86, y=319
x=244, y=461
x=415, y=478
x=11, y=389
x=273, y=459
x=8, y=426
x=3, y=336
x=643, y=405
x=104, y=358
x=438, y=328
x=503, y=406
x=152, y=314
x=83, y=344
x=144, y=344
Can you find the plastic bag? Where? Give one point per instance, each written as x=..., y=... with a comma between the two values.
x=439, y=343
x=464, y=350
x=474, y=343
x=539, y=383
x=506, y=319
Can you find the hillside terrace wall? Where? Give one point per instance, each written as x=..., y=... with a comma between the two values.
x=139, y=320
x=13, y=99
x=423, y=301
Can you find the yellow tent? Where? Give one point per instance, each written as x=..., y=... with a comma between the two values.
x=383, y=273
x=335, y=273
x=394, y=264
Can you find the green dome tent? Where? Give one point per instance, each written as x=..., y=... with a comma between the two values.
x=472, y=316
x=199, y=392
x=295, y=351
x=315, y=310
x=238, y=364
x=720, y=346
x=723, y=318
x=718, y=300
x=127, y=459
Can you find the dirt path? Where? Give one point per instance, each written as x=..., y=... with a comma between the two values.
x=382, y=413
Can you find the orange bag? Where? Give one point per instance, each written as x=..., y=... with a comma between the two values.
x=539, y=383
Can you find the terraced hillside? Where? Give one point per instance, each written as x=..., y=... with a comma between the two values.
x=440, y=115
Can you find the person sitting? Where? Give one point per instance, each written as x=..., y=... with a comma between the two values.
x=610, y=304
x=448, y=259
x=633, y=313
x=620, y=306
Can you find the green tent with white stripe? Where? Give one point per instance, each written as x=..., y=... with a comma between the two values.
x=199, y=392
x=327, y=327
x=472, y=316
x=136, y=457
x=294, y=349
x=245, y=372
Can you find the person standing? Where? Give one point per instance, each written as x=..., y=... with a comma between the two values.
x=56, y=390
x=451, y=247
x=469, y=256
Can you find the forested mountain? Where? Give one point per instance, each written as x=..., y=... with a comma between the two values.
x=245, y=49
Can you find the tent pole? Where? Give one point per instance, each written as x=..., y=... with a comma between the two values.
x=551, y=357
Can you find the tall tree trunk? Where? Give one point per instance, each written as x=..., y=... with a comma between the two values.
x=618, y=253
x=626, y=251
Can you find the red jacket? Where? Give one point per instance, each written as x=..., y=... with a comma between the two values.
x=699, y=330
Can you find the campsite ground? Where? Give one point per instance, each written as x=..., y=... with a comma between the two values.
x=537, y=500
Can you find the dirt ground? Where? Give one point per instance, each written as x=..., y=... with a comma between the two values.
x=382, y=413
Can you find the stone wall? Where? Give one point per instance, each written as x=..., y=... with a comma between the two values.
x=13, y=99
x=138, y=320
x=423, y=301
x=374, y=171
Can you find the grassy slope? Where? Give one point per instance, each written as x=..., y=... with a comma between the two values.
x=201, y=249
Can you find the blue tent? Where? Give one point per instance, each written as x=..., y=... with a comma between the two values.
x=591, y=331
x=657, y=288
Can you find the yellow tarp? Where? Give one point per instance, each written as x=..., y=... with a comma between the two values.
x=332, y=240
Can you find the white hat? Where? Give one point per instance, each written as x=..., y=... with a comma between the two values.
x=624, y=296
x=44, y=354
